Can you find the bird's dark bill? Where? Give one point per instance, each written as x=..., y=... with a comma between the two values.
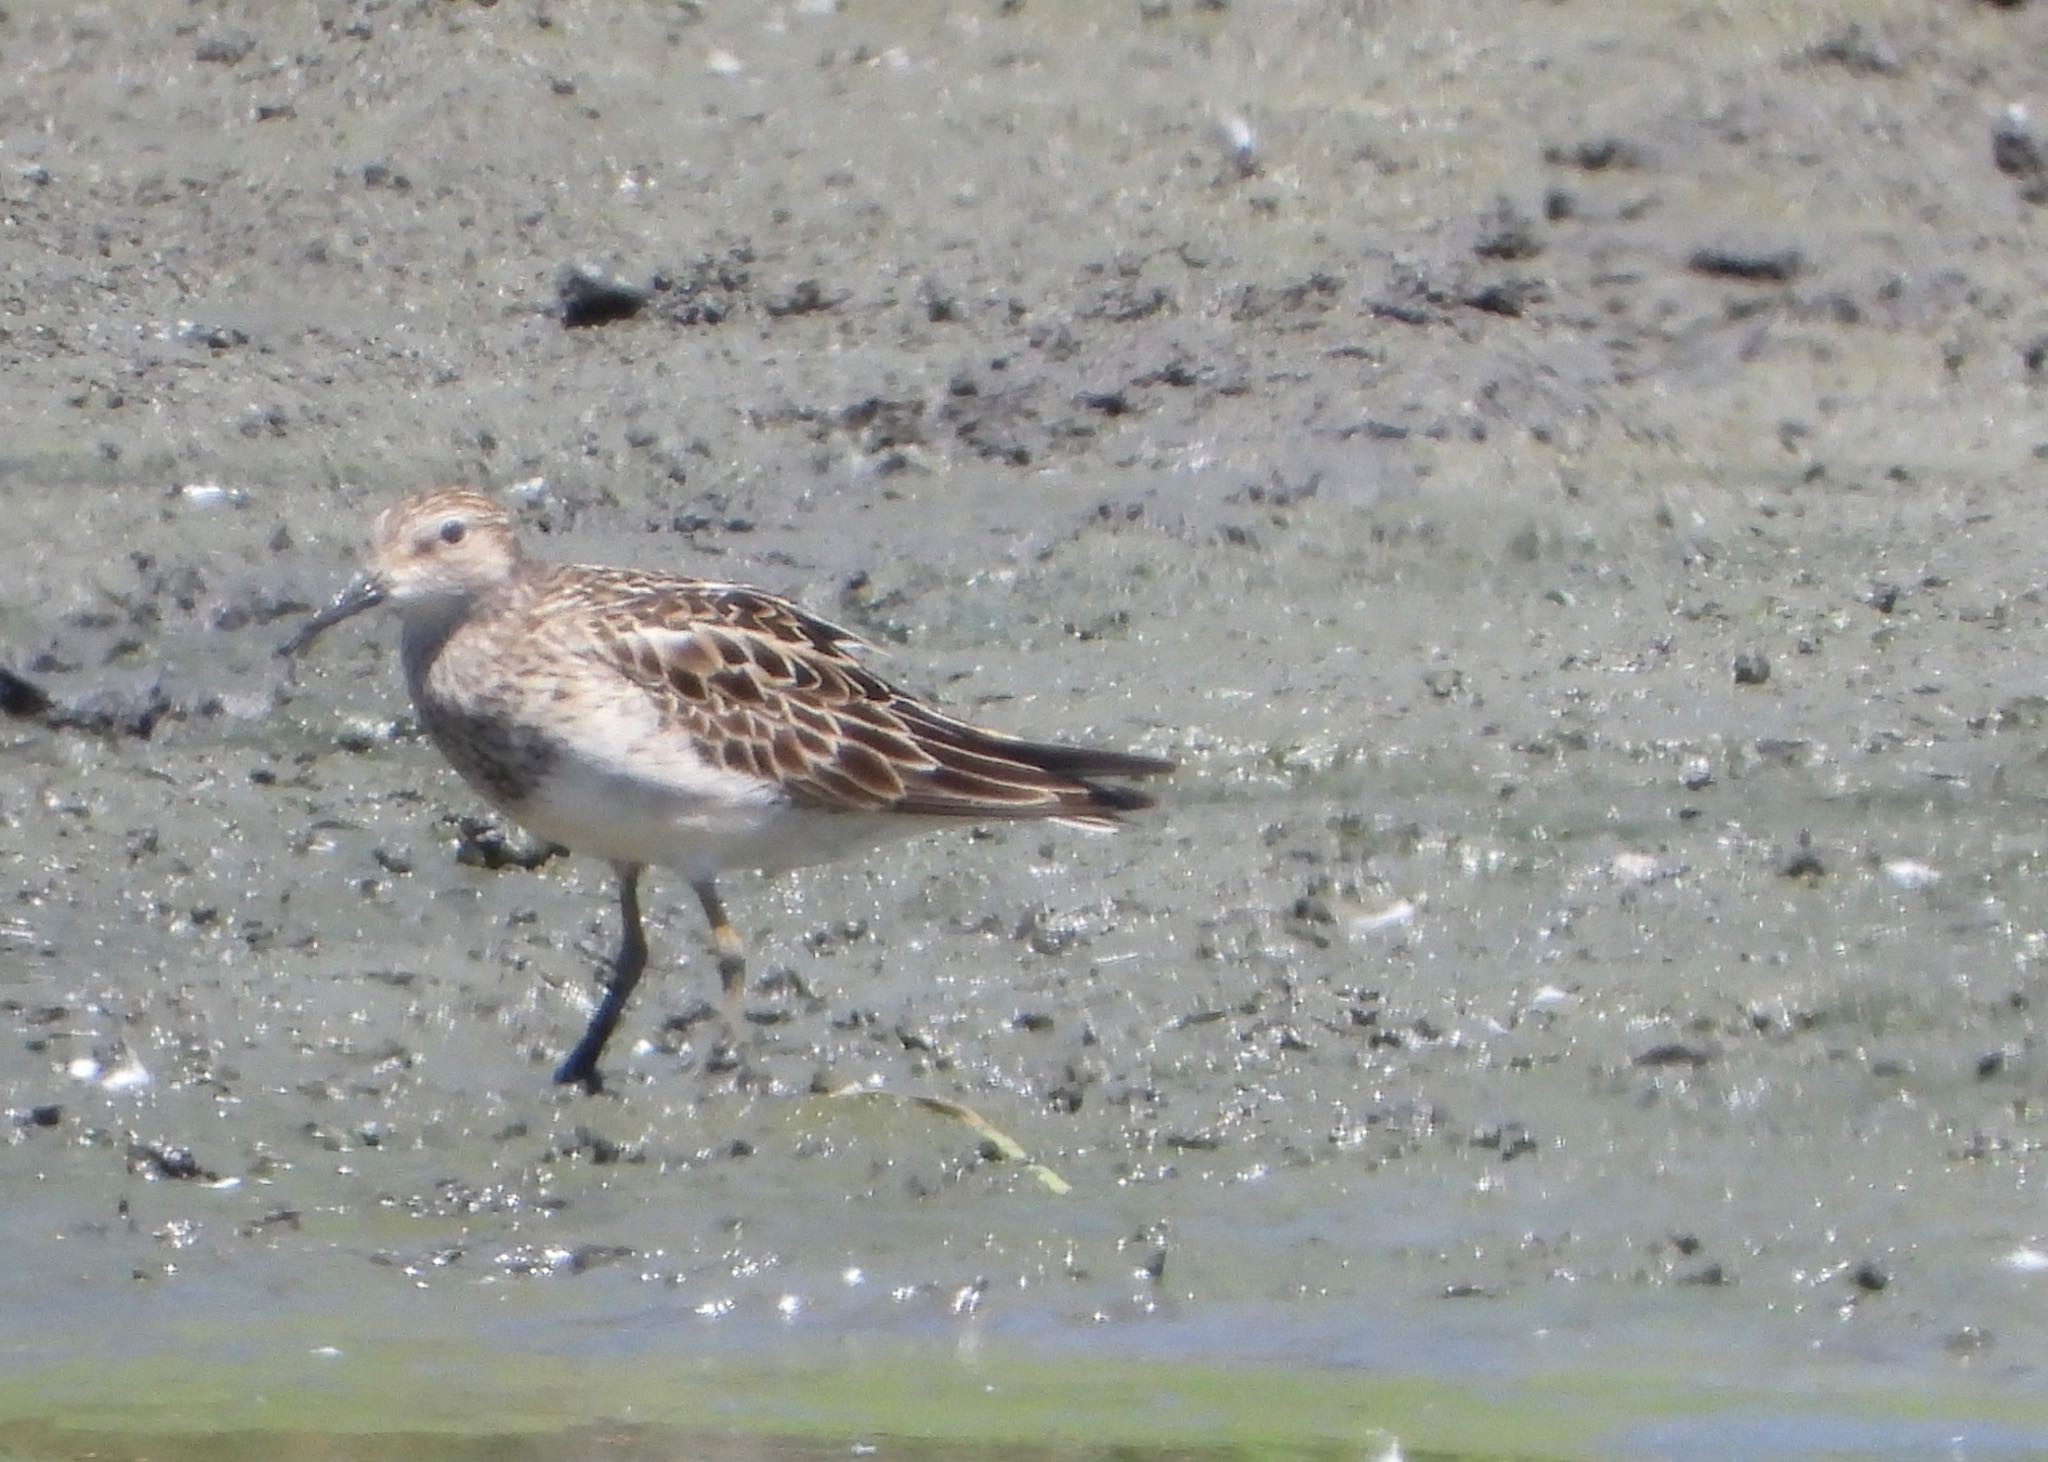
x=364, y=593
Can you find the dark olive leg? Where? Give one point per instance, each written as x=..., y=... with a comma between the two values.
x=732, y=956
x=581, y=1063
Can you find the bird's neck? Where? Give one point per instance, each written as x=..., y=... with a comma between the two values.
x=431, y=623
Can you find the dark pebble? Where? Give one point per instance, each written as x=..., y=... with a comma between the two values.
x=224, y=50
x=807, y=297
x=19, y=697
x=480, y=843
x=1674, y=1053
x=1511, y=297
x=1858, y=51
x=589, y=296
x=161, y=1161
x=1596, y=155
x=586, y=1257
x=1804, y=861
x=1780, y=266
x=1509, y=234
x=2016, y=152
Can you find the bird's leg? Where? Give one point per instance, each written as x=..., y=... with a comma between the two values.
x=631, y=959
x=732, y=954
x=732, y=978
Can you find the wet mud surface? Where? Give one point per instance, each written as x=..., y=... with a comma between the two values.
x=1563, y=481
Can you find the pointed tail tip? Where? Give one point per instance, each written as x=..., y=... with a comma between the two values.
x=1138, y=765
x=1113, y=798
x=1089, y=762
x=1090, y=767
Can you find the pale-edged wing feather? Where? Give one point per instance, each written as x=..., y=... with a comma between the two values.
x=765, y=688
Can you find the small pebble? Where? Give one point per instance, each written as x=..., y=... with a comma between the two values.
x=1776, y=266
x=590, y=296
x=2016, y=151
x=1803, y=862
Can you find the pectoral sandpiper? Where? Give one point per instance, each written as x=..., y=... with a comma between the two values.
x=686, y=723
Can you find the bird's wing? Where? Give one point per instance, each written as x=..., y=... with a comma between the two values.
x=765, y=688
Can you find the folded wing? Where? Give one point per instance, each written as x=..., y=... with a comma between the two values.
x=767, y=689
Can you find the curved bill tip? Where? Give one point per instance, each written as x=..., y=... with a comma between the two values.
x=364, y=593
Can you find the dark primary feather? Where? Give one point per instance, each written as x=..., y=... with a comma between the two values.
x=766, y=688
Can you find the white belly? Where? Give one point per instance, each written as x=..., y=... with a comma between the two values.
x=695, y=819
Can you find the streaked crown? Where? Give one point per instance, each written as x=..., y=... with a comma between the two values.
x=452, y=543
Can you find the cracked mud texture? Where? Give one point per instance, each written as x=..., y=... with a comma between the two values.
x=1565, y=481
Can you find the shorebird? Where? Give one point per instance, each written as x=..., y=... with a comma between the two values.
x=681, y=723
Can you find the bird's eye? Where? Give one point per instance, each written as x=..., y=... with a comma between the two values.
x=452, y=530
